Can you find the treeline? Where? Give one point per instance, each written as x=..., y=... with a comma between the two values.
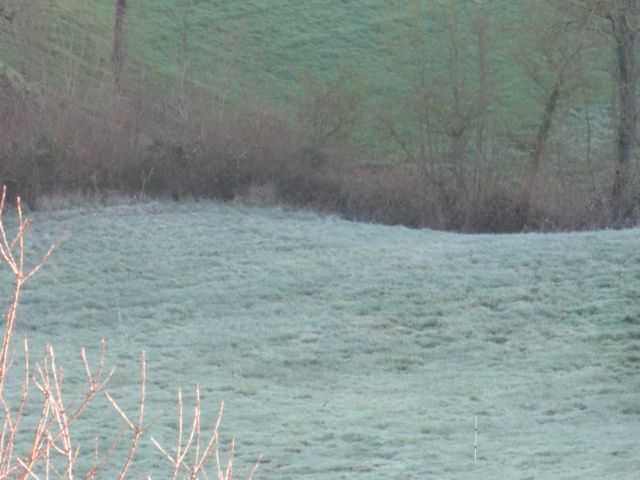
x=454, y=151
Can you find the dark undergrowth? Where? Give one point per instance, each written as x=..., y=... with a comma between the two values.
x=138, y=146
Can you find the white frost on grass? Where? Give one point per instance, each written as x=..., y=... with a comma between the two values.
x=346, y=350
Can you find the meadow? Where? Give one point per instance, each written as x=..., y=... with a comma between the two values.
x=352, y=350
x=253, y=44
x=267, y=51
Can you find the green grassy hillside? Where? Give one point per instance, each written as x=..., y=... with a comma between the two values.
x=260, y=44
x=348, y=350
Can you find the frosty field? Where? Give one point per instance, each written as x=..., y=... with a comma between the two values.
x=346, y=350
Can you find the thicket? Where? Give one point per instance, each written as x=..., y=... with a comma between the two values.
x=451, y=153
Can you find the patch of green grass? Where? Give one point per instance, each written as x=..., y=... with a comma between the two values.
x=267, y=44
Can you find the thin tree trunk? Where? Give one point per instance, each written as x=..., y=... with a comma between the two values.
x=117, y=53
x=625, y=38
x=480, y=29
x=542, y=137
x=458, y=127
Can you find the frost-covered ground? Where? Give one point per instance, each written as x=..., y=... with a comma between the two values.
x=346, y=350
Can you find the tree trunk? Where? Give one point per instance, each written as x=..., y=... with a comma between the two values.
x=458, y=123
x=480, y=26
x=544, y=130
x=117, y=53
x=625, y=36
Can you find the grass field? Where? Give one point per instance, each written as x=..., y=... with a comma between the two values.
x=275, y=41
x=348, y=350
x=264, y=47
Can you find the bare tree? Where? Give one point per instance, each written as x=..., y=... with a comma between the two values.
x=480, y=28
x=329, y=112
x=552, y=62
x=624, y=26
x=619, y=20
x=444, y=105
x=459, y=120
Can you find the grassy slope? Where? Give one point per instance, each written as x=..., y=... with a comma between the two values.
x=348, y=350
x=262, y=44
